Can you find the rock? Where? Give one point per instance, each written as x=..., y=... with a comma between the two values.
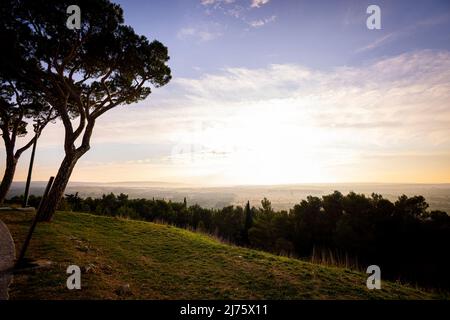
x=82, y=248
x=90, y=268
x=123, y=290
x=107, y=269
x=7, y=256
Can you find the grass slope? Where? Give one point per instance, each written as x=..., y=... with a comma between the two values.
x=164, y=262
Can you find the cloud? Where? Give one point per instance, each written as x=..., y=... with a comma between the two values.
x=261, y=22
x=287, y=122
x=378, y=42
x=406, y=95
x=436, y=20
x=238, y=10
x=201, y=34
x=216, y=2
x=406, y=31
x=258, y=3
x=253, y=4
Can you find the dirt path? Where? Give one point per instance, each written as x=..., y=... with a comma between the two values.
x=7, y=256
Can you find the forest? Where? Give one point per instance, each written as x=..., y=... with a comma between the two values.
x=407, y=240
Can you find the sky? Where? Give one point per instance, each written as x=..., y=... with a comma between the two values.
x=279, y=92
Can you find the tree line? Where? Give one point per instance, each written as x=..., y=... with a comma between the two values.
x=407, y=240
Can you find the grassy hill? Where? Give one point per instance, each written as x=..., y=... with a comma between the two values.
x=164, y=262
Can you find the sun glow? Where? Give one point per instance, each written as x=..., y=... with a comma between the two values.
x=384, y=122
x=270, y=142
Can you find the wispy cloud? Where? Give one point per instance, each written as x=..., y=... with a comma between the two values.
x=312, y=121
x=207, y=2
x=200, y=34
x=434, y=21
x=239, y=10
x=215, y=2
x=258, y=3
x=262, y=22
x=379, y=42
x=253, y=3
x=406, y=31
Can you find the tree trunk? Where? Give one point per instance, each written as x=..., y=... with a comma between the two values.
x=56, y=193
x=11, y=163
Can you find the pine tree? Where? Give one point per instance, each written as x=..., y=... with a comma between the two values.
x=248, y=222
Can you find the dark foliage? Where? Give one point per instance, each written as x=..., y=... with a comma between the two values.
x=407, y=241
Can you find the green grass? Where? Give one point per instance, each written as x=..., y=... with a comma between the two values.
x=164, y=262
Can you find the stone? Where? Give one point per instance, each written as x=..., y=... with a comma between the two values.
x=123, y=290
x=7, y=257
x=90, y=268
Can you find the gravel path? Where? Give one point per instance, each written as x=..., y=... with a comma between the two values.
x=7, y=256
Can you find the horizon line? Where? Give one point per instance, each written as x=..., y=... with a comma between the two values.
x=199, y=185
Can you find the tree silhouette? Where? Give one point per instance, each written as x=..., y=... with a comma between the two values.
x=15, y=109
x=83, y=73
x=266, y=206
x=248, y=222
x=20, y=105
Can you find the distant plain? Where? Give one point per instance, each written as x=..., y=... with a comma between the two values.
x=283, y=197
